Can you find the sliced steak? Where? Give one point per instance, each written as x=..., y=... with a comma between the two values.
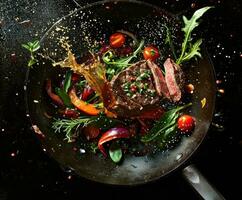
x=159, y=80
x=174, y=79
x=134, y=90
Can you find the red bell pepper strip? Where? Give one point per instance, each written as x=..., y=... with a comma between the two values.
x=111, y=134
x=56, y=99
x=82, y=105
x=86, y=93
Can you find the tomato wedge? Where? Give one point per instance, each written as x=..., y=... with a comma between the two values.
x=82, y=105
x=117, y=40
x=111, y=134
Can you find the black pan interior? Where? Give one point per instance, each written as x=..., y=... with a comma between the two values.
x=83, y=27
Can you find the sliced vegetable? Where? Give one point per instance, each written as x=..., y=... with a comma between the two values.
x=87, y=92
x=186, y=123
x=115, y=152
x=55, y=98
x=112, y=134
x=117, y=40
x=151, y=53
x=82, y=105
x=64, y=96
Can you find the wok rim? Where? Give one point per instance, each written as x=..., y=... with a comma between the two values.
x=135, y=183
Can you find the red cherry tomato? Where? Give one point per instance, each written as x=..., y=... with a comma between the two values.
x=117, y=40
x=151, y=53
x=186, y=123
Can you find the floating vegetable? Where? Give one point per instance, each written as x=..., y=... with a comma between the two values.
x=112, y=134
x=55, y=98
x=117, y=40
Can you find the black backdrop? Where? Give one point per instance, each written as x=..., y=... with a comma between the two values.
x=25, y=170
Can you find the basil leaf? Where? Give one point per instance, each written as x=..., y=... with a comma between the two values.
x=67, y=81
x=115, y=153
x=64, y=96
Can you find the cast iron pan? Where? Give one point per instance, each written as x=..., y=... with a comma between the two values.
x=81, y=29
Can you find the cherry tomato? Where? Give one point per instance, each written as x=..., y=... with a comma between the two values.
x=117, y=40
x=186, y=123
x=151, y=53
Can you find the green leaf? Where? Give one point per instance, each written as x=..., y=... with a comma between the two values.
x=32, y=62
x=64, y=96
x=35, y=46
x=194, y=51
x=190, y=25
x=67, y=81
x=161, y=126
x=26, y=47
x=120, y=64
x=115, y=153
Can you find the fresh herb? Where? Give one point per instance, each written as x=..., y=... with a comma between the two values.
x=190, y=50
x=68, y=126
x=32, y=47
x=120, y=64
x=164, y=126
x=115, y=152
x=67, y=81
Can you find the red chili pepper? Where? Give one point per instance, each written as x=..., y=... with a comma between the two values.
x=55, y=98
x=71, y=113
x=111, y=134
x=86, y=93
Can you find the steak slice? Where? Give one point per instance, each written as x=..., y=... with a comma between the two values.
x=134, y=90
x=174, y=79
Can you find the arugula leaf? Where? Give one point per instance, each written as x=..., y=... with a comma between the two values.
x=190, y=25
x=161, y=127
x=123, y=62
x=67, y=81
x=115, y=152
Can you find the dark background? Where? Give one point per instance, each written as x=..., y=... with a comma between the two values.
x=25, y=170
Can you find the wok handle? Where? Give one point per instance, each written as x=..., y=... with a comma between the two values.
x=201, y=184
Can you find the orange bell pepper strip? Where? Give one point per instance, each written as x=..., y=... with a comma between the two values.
x=82, y=105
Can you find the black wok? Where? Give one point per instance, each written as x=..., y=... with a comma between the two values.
x=96, y=21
